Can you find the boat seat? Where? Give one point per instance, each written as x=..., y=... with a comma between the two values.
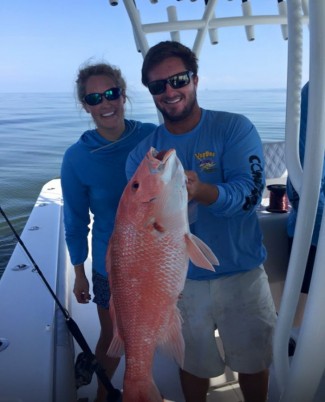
x=274, y=155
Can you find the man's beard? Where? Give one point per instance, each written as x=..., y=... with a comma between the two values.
x=187, y=111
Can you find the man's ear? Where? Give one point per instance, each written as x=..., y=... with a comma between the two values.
x=195, y=80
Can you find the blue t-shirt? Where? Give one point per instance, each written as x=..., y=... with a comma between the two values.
x=292, y=194
x=224, y=149
x=93, y=179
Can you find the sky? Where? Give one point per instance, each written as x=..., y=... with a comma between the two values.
x=44, y=42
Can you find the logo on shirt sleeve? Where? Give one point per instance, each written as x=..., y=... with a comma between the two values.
x=257, y=174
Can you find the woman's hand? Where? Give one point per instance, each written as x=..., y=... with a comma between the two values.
x=81, y=285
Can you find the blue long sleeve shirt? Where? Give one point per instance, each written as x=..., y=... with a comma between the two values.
x=93, y=179
x=225, y=150
x=292, y=194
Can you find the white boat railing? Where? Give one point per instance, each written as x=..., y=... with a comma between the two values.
x=291, y=296
x=299, y=381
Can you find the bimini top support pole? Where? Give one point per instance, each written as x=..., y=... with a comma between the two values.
x=308, y=364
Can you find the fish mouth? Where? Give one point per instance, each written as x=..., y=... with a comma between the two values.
x=163, y=163
x=158, y=160
x=162, y=156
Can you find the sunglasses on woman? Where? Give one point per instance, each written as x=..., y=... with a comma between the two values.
x=96, y=98
x=176, y=81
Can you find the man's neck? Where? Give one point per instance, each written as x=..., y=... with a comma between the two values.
x=185, y=125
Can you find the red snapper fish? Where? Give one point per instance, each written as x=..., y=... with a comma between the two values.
x=147, y=262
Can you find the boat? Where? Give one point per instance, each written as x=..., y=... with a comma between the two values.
x=37, y=349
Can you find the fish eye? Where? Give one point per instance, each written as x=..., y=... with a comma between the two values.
x=135, y=185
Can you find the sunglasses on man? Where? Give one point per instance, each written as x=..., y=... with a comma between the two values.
x=176, y=81
x=96, y=98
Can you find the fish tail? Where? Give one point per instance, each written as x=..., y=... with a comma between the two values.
x=141, y=391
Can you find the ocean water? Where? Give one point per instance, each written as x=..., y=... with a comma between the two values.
x=37, y=128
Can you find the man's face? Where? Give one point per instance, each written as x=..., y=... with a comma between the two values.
x=174, y=104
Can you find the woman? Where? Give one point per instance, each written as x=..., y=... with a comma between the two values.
x=93, y=178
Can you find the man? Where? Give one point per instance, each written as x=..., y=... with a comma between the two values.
x=223, y=158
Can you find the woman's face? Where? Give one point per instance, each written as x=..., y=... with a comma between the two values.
x=108, y=115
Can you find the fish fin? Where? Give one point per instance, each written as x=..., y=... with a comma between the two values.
x=116, y=347
x=200, y=254
x=141, y=390
x=172, y=341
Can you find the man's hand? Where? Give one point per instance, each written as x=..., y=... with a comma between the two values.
x=203, y=193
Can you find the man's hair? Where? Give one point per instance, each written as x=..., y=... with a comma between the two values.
x=165, y=50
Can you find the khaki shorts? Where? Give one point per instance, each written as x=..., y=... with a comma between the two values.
x=241, y=308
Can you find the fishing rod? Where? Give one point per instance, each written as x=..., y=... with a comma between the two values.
x=89, y=360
